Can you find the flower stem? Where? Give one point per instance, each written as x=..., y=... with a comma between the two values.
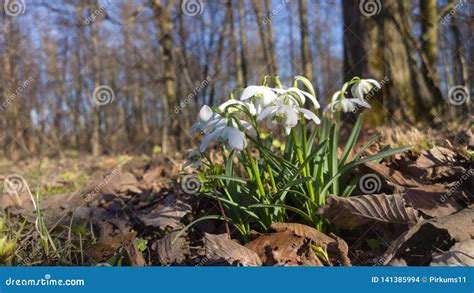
x=301, y=160
x=255, y=172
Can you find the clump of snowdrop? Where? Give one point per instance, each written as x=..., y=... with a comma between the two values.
x=280, y=153
x=281, y=106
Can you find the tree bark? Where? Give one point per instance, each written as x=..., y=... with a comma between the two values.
x=305, y=50
x=243, y=41
x=165, y=25
x=239, y=75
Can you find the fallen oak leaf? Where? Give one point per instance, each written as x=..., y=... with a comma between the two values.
x=336, y=246
x=170, y=252
x=352, y=212
x=223, y=251
x=284, y=248
x=433, y=203
x=394, y=176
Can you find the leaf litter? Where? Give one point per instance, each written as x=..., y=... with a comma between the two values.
x=135, y=211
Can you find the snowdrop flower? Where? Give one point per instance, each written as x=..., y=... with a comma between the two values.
x=231, y=136
x=208, y=120
x=224, y=106
x=288, y=114
x=347, y=105
x=194, y=159
x=261, y=96
x=363, y=87
x=301, y=94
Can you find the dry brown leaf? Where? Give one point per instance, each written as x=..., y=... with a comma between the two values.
x=284, y=249
x=393, y=176
x=318, y=238
x=351, y=212
x=222, y=251
x=167, y=213
x=134, y=256
x=171, y=253
x=461, y=254
x=438, y=163
x=110, y=241
x=417, y=244
x=336, y=247
x=433, y=203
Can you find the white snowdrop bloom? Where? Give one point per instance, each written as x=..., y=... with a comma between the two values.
x=286, y=114
x=194, y=159
x=301, y=94
x=363, y=87
x=208, y=120
x=225, y=106
x=232, y=137
x=260, y=96
x=346, y=105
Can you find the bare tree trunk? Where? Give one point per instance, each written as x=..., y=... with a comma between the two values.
x=96, y=109
x=13, y=120
x=461, y=74
x=239, y=76
x=243, y=41
x=165, y=25
x=305, y=51
x=271, y=41
x=257, y=7
x=429, y=31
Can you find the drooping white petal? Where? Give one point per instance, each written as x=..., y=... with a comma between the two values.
x=312, y=98
x=268, y=96
x=290, y=115
x=359, y=102
x=251, y=107
x=260, y=91
x=208, y=138
x=356, y=91
x=206, y=113
x=249, y=92
x=309, y=115
x=234, y=138
x=223, y=106
x=335, y=96
x=265, y=112
x=374, y=82
x=347, y=105
x=298, y=92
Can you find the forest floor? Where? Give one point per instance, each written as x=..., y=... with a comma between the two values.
x=123, y=210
